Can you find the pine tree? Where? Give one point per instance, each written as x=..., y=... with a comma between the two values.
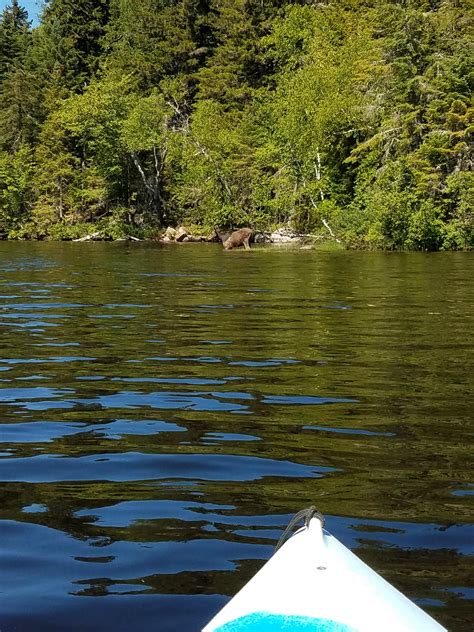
x=235, y=68
x=71, y=39
x=150, y=40
x=15, y=83
x=14, y=31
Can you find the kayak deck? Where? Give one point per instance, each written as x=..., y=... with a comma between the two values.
x=313, y=582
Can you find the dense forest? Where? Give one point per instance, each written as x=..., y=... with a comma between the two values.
x=347, y=118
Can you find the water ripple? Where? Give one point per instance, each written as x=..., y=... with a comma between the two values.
x=131, y=466
x=210, y=398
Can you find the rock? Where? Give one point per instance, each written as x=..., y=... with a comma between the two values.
x=262, y=238
x=284, y=236
x=170, y=234
x=307, y=247
x=181, y=234
x=165, y=240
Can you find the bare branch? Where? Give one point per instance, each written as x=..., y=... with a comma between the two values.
x=137, y=164
x=331, y=232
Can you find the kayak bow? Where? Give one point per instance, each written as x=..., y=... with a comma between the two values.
x=313, y=583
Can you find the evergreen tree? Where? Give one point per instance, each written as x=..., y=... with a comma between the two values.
x=150, y=40
x=235, y=68
x=14, y=31
x=70, y=43
x=16, y=120
x=15, y=83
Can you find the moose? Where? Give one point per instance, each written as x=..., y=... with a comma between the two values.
x=240, y=237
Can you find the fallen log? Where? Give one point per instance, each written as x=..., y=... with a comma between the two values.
x=89, y=237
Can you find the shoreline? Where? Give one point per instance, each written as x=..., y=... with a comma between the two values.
x=282, y=236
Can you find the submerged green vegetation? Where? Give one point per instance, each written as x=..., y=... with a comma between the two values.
x=349, y=118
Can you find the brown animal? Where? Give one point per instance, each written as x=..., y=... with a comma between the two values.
x=238, y=238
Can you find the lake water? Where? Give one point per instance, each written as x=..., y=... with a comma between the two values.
x=164, y=412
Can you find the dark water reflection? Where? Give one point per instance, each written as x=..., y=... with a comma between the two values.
x=165, y=410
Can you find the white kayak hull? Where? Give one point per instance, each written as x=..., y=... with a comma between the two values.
x=314, y=583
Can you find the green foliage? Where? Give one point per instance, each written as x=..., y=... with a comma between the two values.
x=322, y=100
x=402, y=196
x=14, y=35
x=117, y=225
x=62, y=231
x=348, y=119
x=16, y=193
x=150, y=40
x=71, y=40
x=459, y=232
x=425, y=228
x=17, y=95
x=55, y=175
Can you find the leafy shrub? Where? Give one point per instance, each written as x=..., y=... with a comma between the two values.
x=63, y=231
x=426, y=230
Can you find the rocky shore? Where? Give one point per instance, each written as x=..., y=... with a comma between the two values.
x=281, y=236
x=182, y=234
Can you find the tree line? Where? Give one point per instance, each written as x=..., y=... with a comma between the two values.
x=347, y=118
